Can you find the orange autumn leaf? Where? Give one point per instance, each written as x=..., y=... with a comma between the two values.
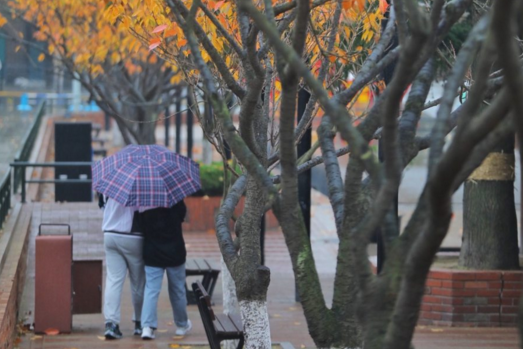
x=383, y=6
x=51, y=331
x=154, y=43
x=218, y=5
x=159, y=28
x=170, y=32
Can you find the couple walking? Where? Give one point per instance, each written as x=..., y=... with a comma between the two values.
x=142, y=190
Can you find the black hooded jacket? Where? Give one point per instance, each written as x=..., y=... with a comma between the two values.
x=163, y=240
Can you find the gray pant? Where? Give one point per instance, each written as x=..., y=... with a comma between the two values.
x=121, y=254
x=176, y=282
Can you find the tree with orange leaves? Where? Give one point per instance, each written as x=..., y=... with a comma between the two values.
x=266, y=52
x=127, y=81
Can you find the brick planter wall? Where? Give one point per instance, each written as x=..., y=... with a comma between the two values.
x=471, y=298
x=202, y=210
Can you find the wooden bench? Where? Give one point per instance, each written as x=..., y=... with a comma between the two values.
x=205, y=268
x=218, y=327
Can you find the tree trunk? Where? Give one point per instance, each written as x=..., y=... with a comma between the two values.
x=255, y=320
x=489, y=214
x=230, y=301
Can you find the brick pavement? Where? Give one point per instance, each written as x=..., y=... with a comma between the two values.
x=286, y=316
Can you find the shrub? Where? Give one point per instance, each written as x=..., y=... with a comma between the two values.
x=211, y=177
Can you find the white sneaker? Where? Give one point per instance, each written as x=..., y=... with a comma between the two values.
x=182, y=331
x=147, y=333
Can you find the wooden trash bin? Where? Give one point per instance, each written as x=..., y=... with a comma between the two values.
x=87, y=286
x=53, y=281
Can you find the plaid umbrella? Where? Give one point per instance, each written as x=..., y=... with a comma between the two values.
x=146, y=175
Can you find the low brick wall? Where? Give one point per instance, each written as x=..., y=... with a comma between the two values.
x=202, y=210
x=13, y=252
x=471, y=298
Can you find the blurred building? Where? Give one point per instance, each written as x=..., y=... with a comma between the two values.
x=20, y=69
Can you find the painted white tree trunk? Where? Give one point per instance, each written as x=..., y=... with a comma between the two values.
x=256, y=329
x=230, y=301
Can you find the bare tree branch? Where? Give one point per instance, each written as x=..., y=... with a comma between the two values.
x=465, y=56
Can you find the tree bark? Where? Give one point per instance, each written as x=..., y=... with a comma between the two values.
x=230, y=302
x=255, y=320
x=489, y=220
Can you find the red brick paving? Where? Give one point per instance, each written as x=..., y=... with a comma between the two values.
x=286, y=316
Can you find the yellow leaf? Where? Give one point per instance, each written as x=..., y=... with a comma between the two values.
x=41, y=57
x=102, y=338
x=17, y=48
x=174, y=345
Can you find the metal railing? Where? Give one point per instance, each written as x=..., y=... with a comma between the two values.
x=23, y=165
x=27, y=146
x=5, y=197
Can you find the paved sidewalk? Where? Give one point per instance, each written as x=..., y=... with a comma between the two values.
x=286, y=316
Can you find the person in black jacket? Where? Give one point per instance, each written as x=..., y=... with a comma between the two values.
x=164, y=251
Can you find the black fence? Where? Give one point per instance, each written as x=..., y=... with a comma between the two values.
x=5, y=197
x=27, y=146
x=22, y=165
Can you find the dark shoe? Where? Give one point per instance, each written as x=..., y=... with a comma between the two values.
x=137, y=328
x=112, y=331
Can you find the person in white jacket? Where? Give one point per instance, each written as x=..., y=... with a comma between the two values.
x=123, y=244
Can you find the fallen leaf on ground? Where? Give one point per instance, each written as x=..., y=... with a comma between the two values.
x=51, y=332
x=174, y=345
x=276, y=315
x=297, y=323
x=177, y=337
x=102, y=338
x=35, y=337
x=292, y=308
x=436, y=330
x=302, y=346
x=186, y=347
x=161, y=331
x=170, y=323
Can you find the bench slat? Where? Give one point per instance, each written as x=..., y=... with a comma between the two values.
x=212, y=266
x=237, y=321
x=198, y=262
x=191, y=266
x=225, y=326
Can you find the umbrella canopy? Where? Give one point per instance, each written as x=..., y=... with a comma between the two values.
x=146, y=176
